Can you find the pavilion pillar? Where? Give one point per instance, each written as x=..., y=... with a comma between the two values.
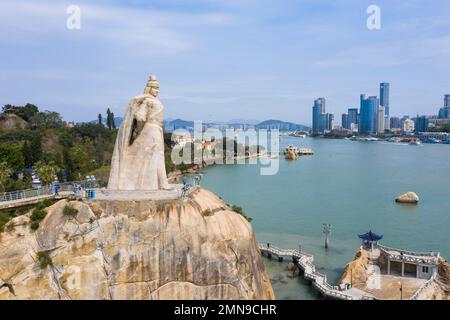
x=403, y=269
x=389, y=266
x=417, y=270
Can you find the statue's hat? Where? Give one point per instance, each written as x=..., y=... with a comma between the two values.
x=152, y=82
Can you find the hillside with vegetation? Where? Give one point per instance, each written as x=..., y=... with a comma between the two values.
x=43, y=141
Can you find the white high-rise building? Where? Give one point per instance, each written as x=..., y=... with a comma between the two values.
x=408, y=126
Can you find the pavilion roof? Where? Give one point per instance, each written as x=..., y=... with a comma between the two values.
x=370, y=236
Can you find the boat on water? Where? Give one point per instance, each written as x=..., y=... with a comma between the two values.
x=415, y=143
x=305, y=152
x=298, y=151
x=432, y=140
x=394, y=139
x=298, y=135
x=354, y=138
x=447, y=141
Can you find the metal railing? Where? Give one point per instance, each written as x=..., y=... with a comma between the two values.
x=409, y=256
x=319, y=279
x=43, y=191
x=411, y=253
x=422, y=288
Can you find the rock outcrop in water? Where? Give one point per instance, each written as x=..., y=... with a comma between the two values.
x=195, y=248
x=409, y=197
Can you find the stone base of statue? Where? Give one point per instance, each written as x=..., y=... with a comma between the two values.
x=176, y=191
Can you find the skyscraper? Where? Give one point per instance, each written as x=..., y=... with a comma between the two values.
x=368, y=115
x=384, y=96
x=352, y=116
x=321, y=121
x=447, y=101
x=318, y=111
x=380, y=120
x=444, y=113
x=329, y=121
x=395, y=123
x=421, y=124
x=345, y=123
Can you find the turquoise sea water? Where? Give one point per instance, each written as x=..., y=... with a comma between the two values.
x=351, y=185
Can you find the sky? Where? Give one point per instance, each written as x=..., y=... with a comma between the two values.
x=224, y=59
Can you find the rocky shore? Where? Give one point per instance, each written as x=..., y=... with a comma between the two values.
x=196, y=248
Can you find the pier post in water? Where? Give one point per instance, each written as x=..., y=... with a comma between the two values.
x=327, y=233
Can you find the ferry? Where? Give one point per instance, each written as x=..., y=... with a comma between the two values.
x=305, y=152
x=299, y=151
x=298, y=135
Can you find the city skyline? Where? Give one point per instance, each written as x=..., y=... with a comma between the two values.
x=221, y=59
x=373, y=115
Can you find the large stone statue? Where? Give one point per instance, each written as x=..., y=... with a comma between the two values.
x=138, y=159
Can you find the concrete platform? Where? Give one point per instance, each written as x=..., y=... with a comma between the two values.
x=140, y=195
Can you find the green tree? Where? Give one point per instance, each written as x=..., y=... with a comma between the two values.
x=46, y=171
x=108, y=119
x=26, y=112
x=113, y=121
x=12, y=154
x=80, y=159
x=5, y=174
x=47, y=119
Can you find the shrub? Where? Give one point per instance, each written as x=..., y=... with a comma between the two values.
x=44, y=259
x=183, y=167
x=40, y=206
x=70, y=211
x=45, y=203
x=36, y=217
x=240, y=211
x=34, y=225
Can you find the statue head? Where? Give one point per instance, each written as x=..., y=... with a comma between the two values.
x=152, y=87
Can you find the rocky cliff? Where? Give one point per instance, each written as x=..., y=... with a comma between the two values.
x=356, y=271
x=195, y=248
x=11, y=122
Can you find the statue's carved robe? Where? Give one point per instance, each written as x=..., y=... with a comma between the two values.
x=138, y=159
